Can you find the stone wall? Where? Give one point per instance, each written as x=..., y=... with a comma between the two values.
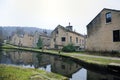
x=100, y=33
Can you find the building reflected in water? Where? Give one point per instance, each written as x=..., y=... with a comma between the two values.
x=64, y=66
x=100, y=76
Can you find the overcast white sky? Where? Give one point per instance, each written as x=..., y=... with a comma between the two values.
x=48, y=14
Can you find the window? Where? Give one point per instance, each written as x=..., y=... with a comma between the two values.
x=116, y=35
x=63, y=39
x=56, y=46
x=83, y=44
x=80, y=42
x=54, y=39
x=108, y=17
x=63, y=66
x=70, y=38
x=57, y=32
x=76, y=39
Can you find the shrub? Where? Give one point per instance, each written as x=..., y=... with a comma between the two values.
x=69, y=48
x=40, y=43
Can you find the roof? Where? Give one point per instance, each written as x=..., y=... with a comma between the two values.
x=111, y=10
x=102, y=11
x=59, y=26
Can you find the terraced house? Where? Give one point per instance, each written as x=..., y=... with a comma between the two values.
x=62, y=36
x=30, y=40
x=44, y=37
x=104, y=31
x=24, y=39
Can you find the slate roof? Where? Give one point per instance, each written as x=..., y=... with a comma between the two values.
x=59, y=26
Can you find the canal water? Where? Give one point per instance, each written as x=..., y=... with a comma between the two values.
x=55, y=64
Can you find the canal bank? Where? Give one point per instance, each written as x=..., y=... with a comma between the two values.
x=8, y=72
x=89, y=61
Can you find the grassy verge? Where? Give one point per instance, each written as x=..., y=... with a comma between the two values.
x=18, y=73
x=88, y=59
x=96, y=60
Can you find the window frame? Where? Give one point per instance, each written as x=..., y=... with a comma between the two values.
x=63, y=39
x=70, y=38
x=116, y=35
x=108, y=17
x=76, y=39
x=57, y=32
x=54, y=39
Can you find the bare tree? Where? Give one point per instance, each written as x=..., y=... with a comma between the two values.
x=1, y=35
x=19, y=31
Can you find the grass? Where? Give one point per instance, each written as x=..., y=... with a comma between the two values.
x=19, y=73
x=96, y=60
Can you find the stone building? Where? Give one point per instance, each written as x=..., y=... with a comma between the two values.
x=104, y=31
x=45, y=39
x=25, y=40
x=30, y=40
x=62, y=36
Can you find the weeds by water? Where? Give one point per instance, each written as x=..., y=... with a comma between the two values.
x=19, y=73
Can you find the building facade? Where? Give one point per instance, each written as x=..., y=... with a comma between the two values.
x=104, y=31
x=62, y=36
x=24, y=40
x=30, y=40
x=45, y=39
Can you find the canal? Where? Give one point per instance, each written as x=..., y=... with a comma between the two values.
x=56, y=64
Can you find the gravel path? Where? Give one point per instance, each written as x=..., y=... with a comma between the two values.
x=93, y=56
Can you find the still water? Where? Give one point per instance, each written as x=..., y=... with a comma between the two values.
x=55, y=64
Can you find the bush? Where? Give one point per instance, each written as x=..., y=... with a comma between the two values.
x=0, y=46
x=40, y=43
x=69, y=48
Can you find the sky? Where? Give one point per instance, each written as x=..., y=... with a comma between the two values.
x=47, y=14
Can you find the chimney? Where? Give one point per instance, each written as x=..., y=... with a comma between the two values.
x=69, y=27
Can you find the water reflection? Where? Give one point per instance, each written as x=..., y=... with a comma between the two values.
x=17, y=58
x=50, y=63
x=64, y=66
x=98, y=76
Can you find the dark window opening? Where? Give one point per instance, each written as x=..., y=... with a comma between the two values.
x=63, y=66
x=57, y=32
x=54, y=40
x=116, y=35
x=56, y=46
x=63, y=39
x=108, y=17
x=76, y=39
